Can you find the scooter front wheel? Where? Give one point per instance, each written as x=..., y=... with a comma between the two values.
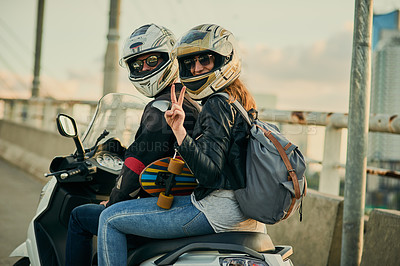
x=23, y=262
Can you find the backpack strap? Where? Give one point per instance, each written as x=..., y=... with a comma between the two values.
x=238, y=107
x=289, y=167
x=278, y=146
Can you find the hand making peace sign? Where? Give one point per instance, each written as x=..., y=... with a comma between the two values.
x=176, y=116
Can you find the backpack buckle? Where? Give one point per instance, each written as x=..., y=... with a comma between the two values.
x=253, y=113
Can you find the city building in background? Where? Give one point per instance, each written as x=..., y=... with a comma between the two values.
x=384, y=148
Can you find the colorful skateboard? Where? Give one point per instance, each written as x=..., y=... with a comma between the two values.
x=164, y=180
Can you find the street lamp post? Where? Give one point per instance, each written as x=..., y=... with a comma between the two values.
x=110, y=81
x=357, y=141
x=38, y=50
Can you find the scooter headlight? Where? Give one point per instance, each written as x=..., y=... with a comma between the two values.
x=241, y=262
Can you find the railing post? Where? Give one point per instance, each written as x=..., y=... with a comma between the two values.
x=69, y=109
x=9, y=107
x=329, y=182
x=34, y=112
x=49, y=115
x=19, y=112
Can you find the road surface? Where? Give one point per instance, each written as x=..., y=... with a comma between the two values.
x=19, y=195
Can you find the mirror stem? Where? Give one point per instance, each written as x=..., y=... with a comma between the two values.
x=80, y=153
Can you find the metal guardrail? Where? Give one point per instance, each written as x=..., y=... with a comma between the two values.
x=41, y=113
x=377, y=122
x=334, y=123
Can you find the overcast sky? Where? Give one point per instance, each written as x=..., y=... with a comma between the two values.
x=298, y=50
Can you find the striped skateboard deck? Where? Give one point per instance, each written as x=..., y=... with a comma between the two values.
x=153, y=177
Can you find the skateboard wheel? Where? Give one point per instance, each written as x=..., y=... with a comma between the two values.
x=176, y=166
x=164, y=201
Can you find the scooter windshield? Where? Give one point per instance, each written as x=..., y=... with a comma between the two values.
x=119, y=114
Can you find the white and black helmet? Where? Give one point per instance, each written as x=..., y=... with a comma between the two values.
x=214, y=40
x=147, y=39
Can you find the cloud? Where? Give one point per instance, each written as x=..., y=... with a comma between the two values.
x=308, y=77
x=386, y=6
x=14, y=86
x=80, y=85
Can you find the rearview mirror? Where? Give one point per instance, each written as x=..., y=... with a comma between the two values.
x=66, y=126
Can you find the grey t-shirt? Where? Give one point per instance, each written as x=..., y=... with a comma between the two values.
x=223, y=213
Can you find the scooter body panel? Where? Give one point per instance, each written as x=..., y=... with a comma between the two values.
x=20, y=251
x=29, y=247
x=32, y=252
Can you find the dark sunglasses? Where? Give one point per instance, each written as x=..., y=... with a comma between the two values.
x=151, y=61
x=204, y=60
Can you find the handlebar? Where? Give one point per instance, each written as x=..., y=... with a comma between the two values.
x=65, y=173
x=73, y=172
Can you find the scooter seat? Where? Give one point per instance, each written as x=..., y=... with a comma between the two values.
x=259, y=242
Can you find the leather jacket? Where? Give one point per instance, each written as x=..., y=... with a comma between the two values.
x=216, y=153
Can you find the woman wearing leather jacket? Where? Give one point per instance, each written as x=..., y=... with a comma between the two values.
x=216, y=153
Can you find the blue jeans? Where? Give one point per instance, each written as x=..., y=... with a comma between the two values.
x=142, y=217
x=83, y=225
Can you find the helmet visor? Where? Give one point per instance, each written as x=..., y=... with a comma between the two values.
x=208, y=60
x=136, y=65
x=203, y=59
x=153, y=64
x=192, y=37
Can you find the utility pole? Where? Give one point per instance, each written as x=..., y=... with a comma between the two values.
x=38, y=50
x=110, y=81
x=357, y=141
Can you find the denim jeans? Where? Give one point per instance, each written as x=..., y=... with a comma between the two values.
x=142, y=217
x=83, y=224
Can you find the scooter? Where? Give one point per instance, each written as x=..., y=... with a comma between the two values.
x=88, y=175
